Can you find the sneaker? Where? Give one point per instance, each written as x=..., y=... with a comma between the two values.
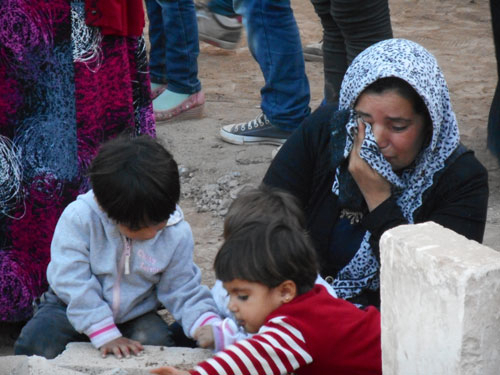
x=258, y=131
x=313, y=51
x=189, y=109
x=220, y=31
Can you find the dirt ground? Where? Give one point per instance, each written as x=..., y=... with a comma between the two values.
x=457, y=32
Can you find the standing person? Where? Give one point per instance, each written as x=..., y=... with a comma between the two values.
x=173, y=64
x=274, y=41
x=391, y=155
x=118, y=252
x=268, y=268
x=72, y=77
x=349, y=26
x=494, y=117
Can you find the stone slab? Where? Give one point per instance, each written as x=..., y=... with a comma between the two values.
x=440, y=305
x=34, y=365
x=83, y=358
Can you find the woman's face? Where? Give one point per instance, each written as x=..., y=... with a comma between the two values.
x=398, y=130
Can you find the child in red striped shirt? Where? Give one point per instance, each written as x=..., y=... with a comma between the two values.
x=269, y=269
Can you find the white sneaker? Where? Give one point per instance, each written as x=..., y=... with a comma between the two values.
x=257, y=131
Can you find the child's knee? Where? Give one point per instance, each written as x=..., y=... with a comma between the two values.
x=32, y=344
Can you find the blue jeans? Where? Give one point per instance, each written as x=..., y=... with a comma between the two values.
x=49, y=331
x=274, y=41
x=173, y=34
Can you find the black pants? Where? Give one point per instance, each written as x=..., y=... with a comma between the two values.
x=349, y=27
x=494, y=117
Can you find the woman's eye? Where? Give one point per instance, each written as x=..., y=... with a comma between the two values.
x=242, y=298
x=399, y=128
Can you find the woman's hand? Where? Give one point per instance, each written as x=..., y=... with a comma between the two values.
x=121, y=347
x=167, y=370
x=373, y=186
x=204, y=336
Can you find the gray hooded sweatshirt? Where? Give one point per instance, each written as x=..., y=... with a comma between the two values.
x=106, y=279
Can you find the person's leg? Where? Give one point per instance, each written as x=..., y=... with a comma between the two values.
x=157, y=40
x=349, y=27
x=494, y=115
x=49, y=331
x=148, y=329
x=274, y=41
x=362, y=23
x=222, y=7
x=179, y=27
x=181, y=48
x=334, y=51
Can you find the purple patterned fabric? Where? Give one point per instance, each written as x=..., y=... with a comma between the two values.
x=65, y=90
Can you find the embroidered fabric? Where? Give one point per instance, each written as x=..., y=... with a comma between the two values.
x=65, y=90
x=411, y=62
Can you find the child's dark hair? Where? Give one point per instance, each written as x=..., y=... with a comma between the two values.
x=263, y=202
x=268, y=252
x=135, y=180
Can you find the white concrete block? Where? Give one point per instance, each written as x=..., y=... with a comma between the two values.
x=440, y=303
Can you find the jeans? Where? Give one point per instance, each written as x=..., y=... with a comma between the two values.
x=173, y=34
x=49, y=331
x=274, y=41
x=349, y=26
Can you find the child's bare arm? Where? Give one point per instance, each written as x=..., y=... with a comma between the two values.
x=167, y=370
x=121, y=347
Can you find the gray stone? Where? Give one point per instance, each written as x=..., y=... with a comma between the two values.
x=83, y=358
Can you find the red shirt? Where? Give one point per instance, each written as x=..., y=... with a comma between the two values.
x=315, y=334
x=116, y=17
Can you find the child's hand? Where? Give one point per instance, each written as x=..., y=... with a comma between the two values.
x=121, y=347
x=205, y=336
x=167, y=370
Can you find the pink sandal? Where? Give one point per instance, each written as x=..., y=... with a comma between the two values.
x=191, y=108
x=157, y=91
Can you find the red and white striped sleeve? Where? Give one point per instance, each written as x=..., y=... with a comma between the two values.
x=278, y=348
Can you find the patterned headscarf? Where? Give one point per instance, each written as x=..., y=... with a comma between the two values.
x=412, y=63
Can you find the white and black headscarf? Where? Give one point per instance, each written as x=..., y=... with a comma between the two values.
x=412, y=63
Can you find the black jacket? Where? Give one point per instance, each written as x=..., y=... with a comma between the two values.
x=305, y=166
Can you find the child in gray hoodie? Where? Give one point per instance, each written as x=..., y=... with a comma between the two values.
x=118, y=253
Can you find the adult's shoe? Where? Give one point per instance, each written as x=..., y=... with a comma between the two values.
x=191, y=108
x=313, y=51
x=257, y=131
x=218, y=30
